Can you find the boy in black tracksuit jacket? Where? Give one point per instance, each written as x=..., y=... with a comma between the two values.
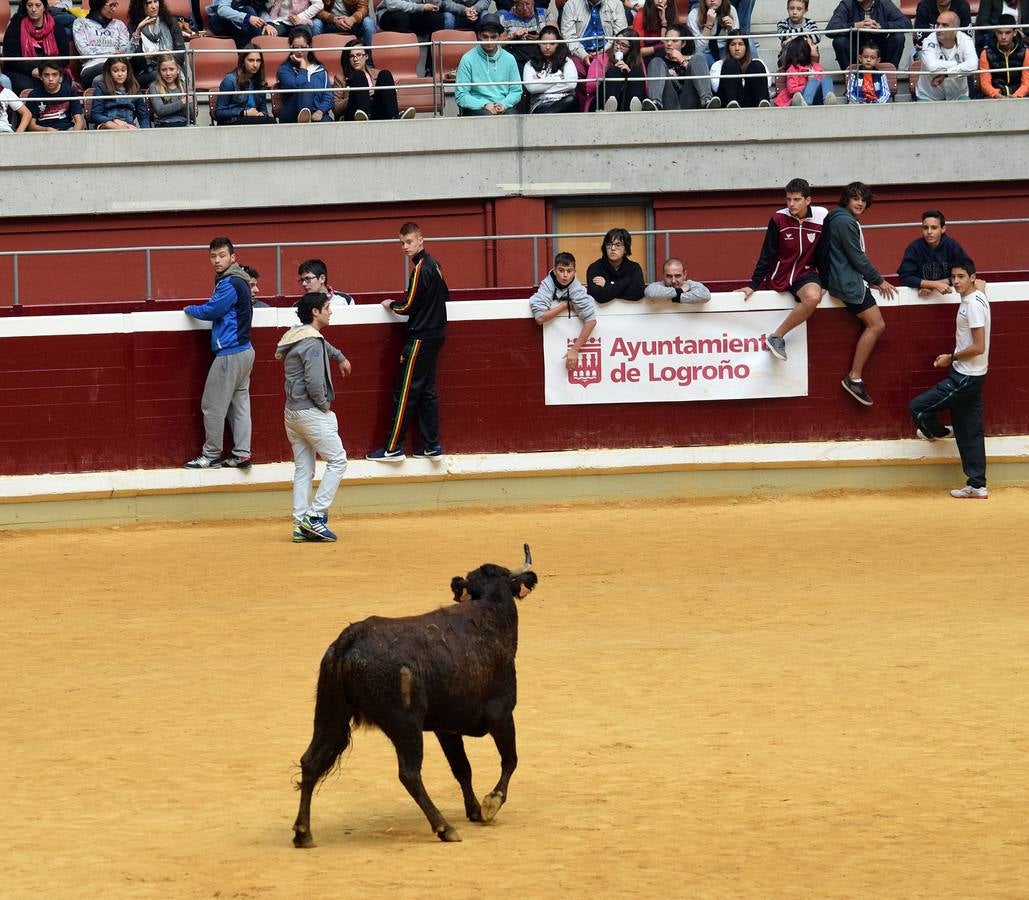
x=425, y=305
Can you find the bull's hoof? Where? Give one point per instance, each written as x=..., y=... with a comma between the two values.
x=449, y=835
x=302, y=840
x=474, y=813
x=491, y=804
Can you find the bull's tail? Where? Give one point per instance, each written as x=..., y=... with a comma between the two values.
x=333, y=715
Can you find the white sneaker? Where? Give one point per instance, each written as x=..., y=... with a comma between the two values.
x=764, y=104
x=830, y=99
x=970, y=493
x=714, y=103
x=798, y=100
x=304, y=116
x=360, y=116
x=732, y=104
x=409, y=113
x=611, y=104
x=635, y=104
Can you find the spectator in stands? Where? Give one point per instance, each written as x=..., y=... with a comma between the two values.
x=788, y=260
x=168, y=99
x=866, y=19
x=425, y=305
x=929, y=11
x=990, y=12
x=709, y=19
x=114, y=107
x=650, y=24
x=797, y=25
x=962, y=390
x=153, y=30
x=738, y=79
x=252, y=276
x=63, y=16
x=587, y=25
x=948, y=58
x=99, y=35
x=348, y=17
x=550, y=77
x=615, y=275
x=288, y=15
x=867, y=84
x=313, y=277
x=561, y=293
x=227, y=390
x=237, y=20
x=371, y=93
x=615, y=80
x=806, y=81
x=32, y=32
x=523, y=22
x=668, y=83
x=847, y=272
x=1006, y=56
x=311, y=425
x=409, y=17
x=675, y=286
x=55, y=105
x=464, y=14
x=302, y=72
x=250, y=108
x=489, y=83
x=928, y=260
x=10, y=101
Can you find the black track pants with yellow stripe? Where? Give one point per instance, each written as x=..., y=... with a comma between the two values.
x=416, y=393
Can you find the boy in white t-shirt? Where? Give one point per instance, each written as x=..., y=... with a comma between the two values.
x=10, y=100
x=962, y=390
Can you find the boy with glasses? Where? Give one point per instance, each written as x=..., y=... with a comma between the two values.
x=313, y=277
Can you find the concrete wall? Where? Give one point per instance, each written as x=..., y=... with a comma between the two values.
x=428, y=159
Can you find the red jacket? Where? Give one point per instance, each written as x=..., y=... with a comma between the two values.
x=788, y=252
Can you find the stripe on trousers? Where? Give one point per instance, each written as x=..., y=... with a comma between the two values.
x=942, y=402
x=405, y=390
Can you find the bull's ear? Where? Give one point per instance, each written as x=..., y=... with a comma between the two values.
x=460, y=588
x=523, y=584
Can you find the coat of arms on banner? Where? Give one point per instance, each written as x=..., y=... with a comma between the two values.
x=588, y=371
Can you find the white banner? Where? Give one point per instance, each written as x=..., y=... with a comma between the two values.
x=660, y=358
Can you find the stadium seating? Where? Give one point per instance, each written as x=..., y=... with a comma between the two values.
x=450, y=53
x=328, y=47
x=403, y=63
x=211, y=68
x=276, y=53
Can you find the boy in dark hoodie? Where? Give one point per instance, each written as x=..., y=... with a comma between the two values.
x=311, y=425
x=927, y=261
x=615, y=275
x=227, y=391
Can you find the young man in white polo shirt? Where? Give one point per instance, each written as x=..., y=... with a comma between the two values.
x=962, y=390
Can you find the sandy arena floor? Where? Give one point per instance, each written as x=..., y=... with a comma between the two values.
x=816, y=697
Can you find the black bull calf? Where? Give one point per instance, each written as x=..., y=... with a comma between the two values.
x=450, y=671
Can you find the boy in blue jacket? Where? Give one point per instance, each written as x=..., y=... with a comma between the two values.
x=227, y=390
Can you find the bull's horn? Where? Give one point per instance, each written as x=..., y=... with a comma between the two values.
x=528, y=561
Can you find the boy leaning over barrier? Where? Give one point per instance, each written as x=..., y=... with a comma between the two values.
x=561, y=292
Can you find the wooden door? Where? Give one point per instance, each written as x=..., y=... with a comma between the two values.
x=577, y=219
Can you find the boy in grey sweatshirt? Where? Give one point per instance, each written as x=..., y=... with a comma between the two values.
x=311, y=425
x=561, y=292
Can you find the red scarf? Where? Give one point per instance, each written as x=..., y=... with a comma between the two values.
x=32, y=37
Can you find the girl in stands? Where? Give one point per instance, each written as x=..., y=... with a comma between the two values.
x=806, y=81
x=99, y=35
x=650, y=23
x=250, y=108
x=550, y=76
x=154, y=30
x=370, y=92
x=32, y=32
x=113, y=105
x=707, y=20
x=735, y=91
x=168, y=100
x=302, y=70
x=616, y=78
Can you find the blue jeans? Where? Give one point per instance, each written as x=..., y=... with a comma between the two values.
x=816, y=89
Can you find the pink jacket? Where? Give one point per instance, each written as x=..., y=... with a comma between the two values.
x=796, y=81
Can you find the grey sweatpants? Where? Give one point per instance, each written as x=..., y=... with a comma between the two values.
x=227, y=395
x=312, y=432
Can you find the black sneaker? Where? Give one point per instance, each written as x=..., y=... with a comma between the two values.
x=435, y=451
x=384, y=455
x=856, y=389
x=237, y=462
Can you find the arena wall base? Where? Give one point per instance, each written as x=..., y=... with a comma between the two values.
x=141, y=496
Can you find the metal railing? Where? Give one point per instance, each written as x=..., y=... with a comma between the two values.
x=538, y=241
